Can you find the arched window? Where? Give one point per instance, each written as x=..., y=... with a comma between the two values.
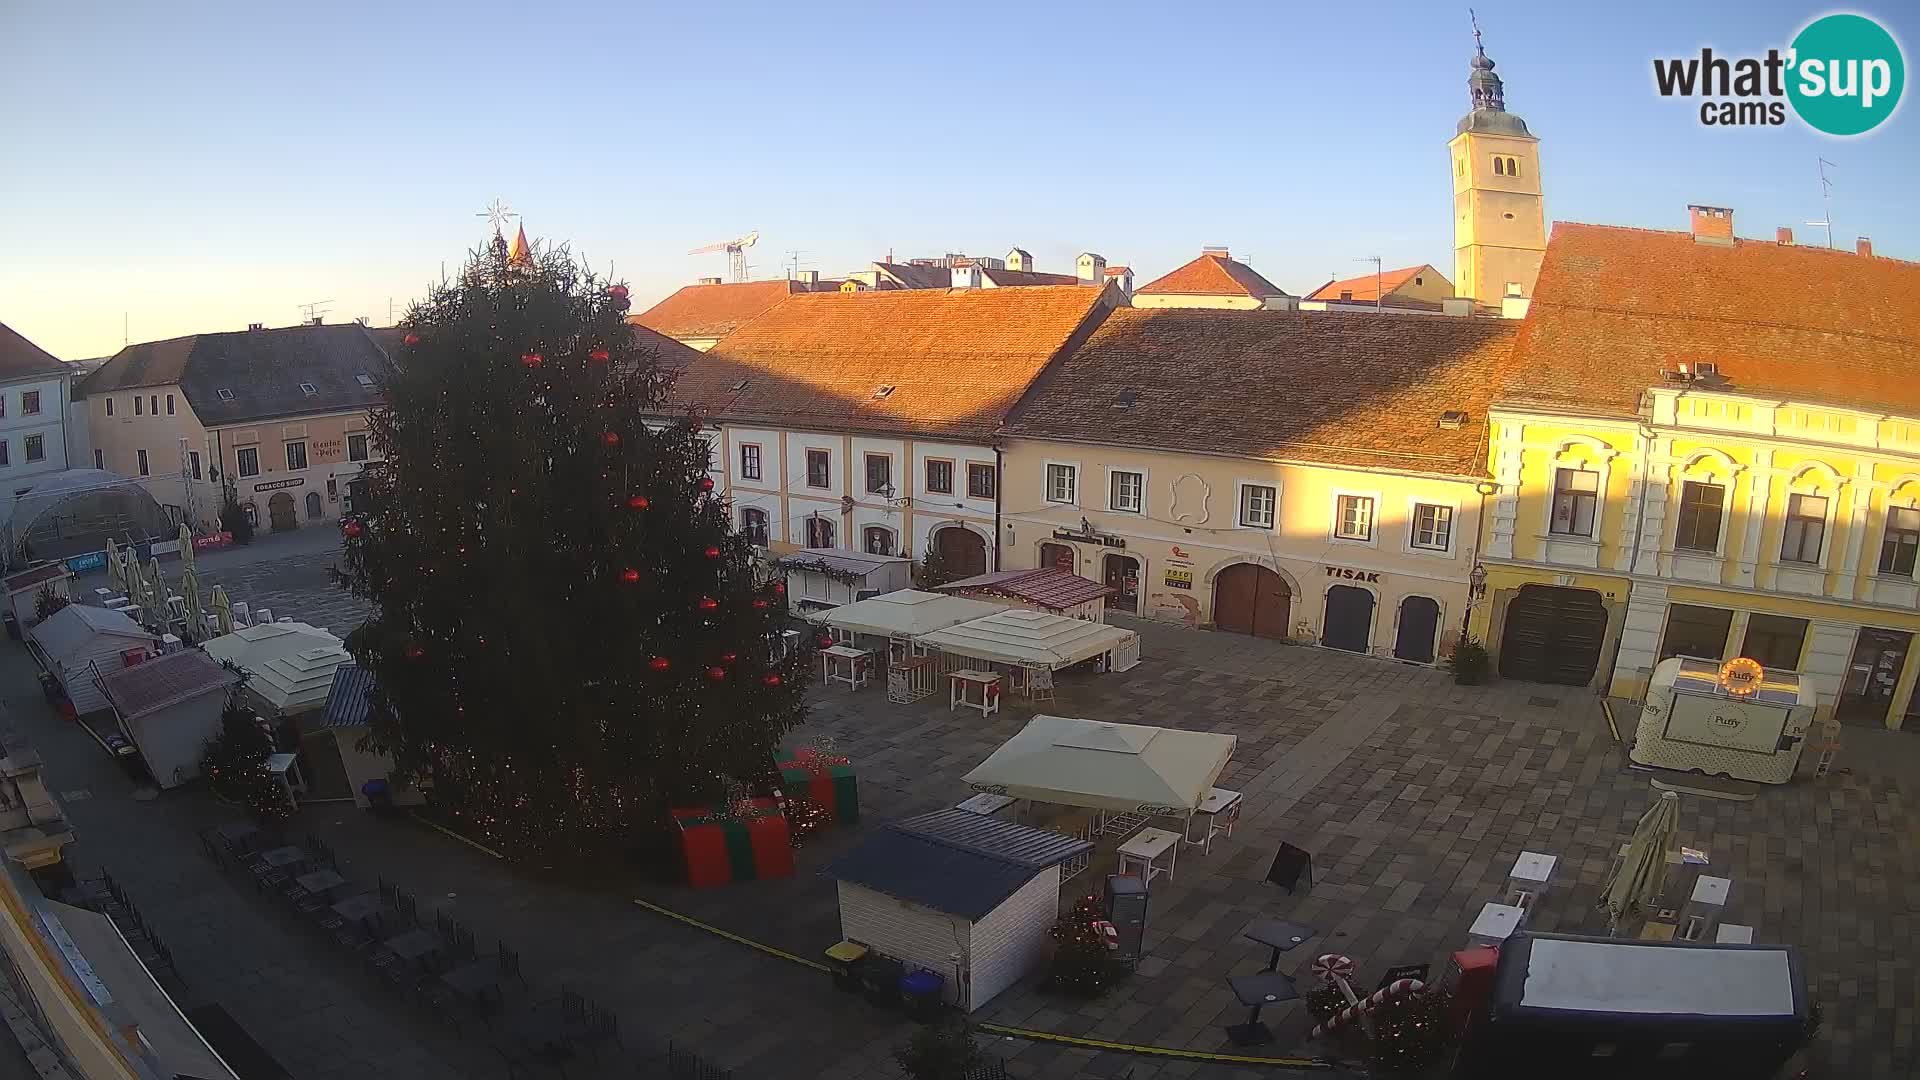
x=1513, y=166
x=1499, y=165
x=819, y=532
x=753, y=526
x=878, y=540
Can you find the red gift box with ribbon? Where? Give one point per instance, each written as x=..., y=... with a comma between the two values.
x=826, y=779
x=720, y=848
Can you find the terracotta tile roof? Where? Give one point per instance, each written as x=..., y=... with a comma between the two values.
x=1116, y=271
x=1214, y=275
x=1047, y=586
x=668, y=352
x=18, y=356
x=713, y=311
x=1338, y=388
x=1615, y=307
x=957, y=359
x=1363, y=287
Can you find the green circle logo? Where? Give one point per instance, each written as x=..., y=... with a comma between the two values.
x=1845, y=74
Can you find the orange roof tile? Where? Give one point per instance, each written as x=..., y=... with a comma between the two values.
x=1615, y=307
x=1214, y=275
x=713, y=311
x=957, y=359
x=1363, y=287
x=1342, y=388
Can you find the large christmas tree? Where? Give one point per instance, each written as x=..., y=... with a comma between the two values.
x=568, y=635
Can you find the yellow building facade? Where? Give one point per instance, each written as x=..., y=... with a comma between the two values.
x=1499, y=212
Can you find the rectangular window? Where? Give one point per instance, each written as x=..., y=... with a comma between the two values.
x=193, y=463
x=981, y=481
x=139, y=405
x=153, y=404
x=749, y=461
x=248, y=460
x=1061, y=483
x=753, y=526
x=1806, y=529
x=819, y=532
x=30, y=403
x=1259, y=504
x=297, y=454
x=879, y=474
x=36, y=447
x=1700, y=506
x=1353, y=518
x=169, y=404
x=1576, y=494
x=939, y=476
x=109, y=406
x=3, y=404
x=100, y=459
x=1696, y=631
x=142, y=456
x=879, y=540
x=1774, y=641
x=356, y=448
x=1897, y=549
x=1432, y=527
x=1127, y=492
x=819, y=472
x=4, y=449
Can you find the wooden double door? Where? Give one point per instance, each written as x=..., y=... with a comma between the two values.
x=1249, y=599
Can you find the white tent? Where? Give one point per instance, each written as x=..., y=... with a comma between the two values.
x=1035, y=639
x=291, y=664
x=1122, y=767
x=906, y=614
x=76, y=637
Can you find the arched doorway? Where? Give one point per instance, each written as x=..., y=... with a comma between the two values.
x=1349, y=621
x=1122, y=574
x=962, y=549
x=1553, y=635
x=1251, y=599
x=280, y=512
x=1419, y=619
x=313, y=506
x=1058, y=556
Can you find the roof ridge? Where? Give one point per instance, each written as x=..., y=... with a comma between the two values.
x=1724, y=320
x=1741, y=240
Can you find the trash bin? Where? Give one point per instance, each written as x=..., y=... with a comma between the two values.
x=13, y=626
x=846, y=960
x=379, y=796
x=920, y=991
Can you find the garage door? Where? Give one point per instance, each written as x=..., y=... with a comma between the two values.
x=1249, y=599
x=1553, y=635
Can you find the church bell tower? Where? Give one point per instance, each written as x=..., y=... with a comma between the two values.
x=1499, y=216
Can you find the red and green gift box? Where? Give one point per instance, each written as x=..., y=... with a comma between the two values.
x=825, y=779
x=722, y=848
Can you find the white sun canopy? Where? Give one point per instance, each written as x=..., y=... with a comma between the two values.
x=1125, y=767
x=1034, y=639
x=908, y=613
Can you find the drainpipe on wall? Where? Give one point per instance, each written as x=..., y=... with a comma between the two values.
x=999, y=482
x=1633, y=554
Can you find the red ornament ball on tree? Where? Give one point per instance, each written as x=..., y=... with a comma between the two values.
x=716, y=673
x=533, y=359
x=707, y=603
x=618, y=292
x=599, y=356
x=823, y=641
x=779, y=588
x=659, y=663
x=728, y=658
x=706, y=483
x=410, y=340
x=771, y=680
x=630, y=576
x=638, y=502
x=611, y=438
x=711, y=552
x=415, y=652
x=353, y=529
x=759, y=602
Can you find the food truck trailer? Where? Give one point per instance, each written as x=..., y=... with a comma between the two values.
x=1580, y=1008
x=1735, y=719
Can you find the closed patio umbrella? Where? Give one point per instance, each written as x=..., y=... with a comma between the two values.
x=159, y=586
x=1642, y=873
x=222, y=610
x=186, y=547
x=115, y=580
x=196, y=619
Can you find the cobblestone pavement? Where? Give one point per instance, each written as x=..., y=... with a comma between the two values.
x=1414, y=795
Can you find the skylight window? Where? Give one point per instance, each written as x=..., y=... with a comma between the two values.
x=309, y=389
x=882, y=391
x=364, y=379
x=225, y=394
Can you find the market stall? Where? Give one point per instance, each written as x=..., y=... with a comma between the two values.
x=76, y=642
x=902, y=618
x=821, y=578
x=290, y=664
x=1735, y=719
x=1048, y=589
x=1034, y=642
x=169, y=707
x=24, y=588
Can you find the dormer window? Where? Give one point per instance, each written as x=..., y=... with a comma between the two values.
x=309, y=389
x=1346, y=294
x=739, y=386
x=882, y=391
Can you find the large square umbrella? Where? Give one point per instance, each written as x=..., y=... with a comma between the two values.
x=1642, y=873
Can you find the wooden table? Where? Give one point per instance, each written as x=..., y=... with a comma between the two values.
x=1146, y=847
x=959, y=696
x=359, y=909
x=858, y=663
x=1218, y=804
x=320, y=882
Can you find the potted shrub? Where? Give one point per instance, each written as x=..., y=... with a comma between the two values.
x=1469, y=662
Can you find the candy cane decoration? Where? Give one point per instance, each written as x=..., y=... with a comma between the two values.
x=1398, y=988
x=1336, y=968
x=1109, y=934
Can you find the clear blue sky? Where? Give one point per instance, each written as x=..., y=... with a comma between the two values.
x=202, y=166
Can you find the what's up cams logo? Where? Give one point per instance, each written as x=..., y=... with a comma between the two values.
x=1843, y=75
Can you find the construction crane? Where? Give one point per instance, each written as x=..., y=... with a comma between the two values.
x=736, y=253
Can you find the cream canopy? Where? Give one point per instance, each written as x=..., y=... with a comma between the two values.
x=1125, y=767
x=292, y=663
x=1033, y=639
x=907, y=613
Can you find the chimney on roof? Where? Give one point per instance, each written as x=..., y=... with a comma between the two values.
x=1712, y=224
x=1219, y=251
x=809, y=278
x=256, y=326
x=315, y=321
x=1784, y=236
x=1092, y=269
x=1863, y=246
x=707, y=281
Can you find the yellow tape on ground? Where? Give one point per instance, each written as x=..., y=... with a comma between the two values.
x=1002, y=1029
x=1611, y=726
x=439, y=828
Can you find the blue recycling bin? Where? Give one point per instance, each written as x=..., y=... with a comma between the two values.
x=920, y=991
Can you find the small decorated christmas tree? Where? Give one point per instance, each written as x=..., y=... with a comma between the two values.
x=1083, y=963
x=235, y=760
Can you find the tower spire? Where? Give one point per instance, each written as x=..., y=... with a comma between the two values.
x=1483, y=86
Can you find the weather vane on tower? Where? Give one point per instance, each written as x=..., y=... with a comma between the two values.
x=1475, y=19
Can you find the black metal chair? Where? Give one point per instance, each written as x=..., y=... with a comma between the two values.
x=409, y=908
x=602, y=1027
x=509, y=964
x=444, y=923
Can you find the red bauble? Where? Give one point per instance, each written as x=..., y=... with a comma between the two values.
x=706, y=483
x=599, y=356
x=711, y=552
x=618, y=292
x=630, y=576
x=728, y=658
x=353, y=529
x=823, y=641
x=779, y=588
x=533, y=359
x=759, y=603
x=659, y=663
x=771, y=680
x=716, y=673
x=707, y=603
x=415, y=652
x=410, y=340
x=611, y=438
x=637, y=502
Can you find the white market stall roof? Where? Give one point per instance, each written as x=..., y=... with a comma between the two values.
x=908, y=613
x=1129, y=767
x=839, y=560
x=291, y=663
x=1034, y=639
x=70, y=631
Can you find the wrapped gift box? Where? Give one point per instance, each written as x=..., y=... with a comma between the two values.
x=721, y=848
x=825, y=779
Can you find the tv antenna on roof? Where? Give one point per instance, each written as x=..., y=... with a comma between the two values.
x=312, y=311
x=1378, y=300
x=1826, y=200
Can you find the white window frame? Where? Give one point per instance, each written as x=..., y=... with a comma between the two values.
x=1145, y=482
x=806, y=468
x=1414, y=503
x=806, y=530
x=239, y=461
x=1586, y=453
x=759, y=462
x=26, y=448
x=1902, y=494
x=1372, y=539
x=766, y=526
x=305, y=459
x=926, y=466
x=964, y=481
x=1704, y=467
x=30, y=396
x=866, y=489
x=1046, y=482
x=1240, y=501
x=893, y=537
x=1814, y=477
